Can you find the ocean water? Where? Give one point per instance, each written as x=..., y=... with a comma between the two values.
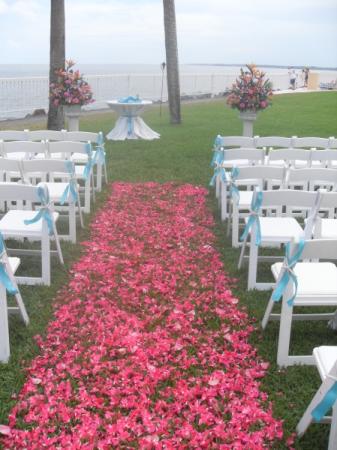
x=24, y=88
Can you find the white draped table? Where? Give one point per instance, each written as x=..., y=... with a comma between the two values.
x=129, y=125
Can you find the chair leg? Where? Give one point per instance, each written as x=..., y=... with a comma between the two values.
x=267, y=313
x=58, y=245
x=105, y=173
x=87, y=188
x=285, y=332
x=4, y=332
x=45, y=257
x=242, y=253
x=18, y=298
x=99, y=176
x=235, y=226
x=72, y=222
x=333, y=429
x=93, y=186
x=252, y=263
x=223, y=202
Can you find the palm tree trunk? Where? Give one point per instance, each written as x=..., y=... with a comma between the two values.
x=173, y=86
x=57, y=58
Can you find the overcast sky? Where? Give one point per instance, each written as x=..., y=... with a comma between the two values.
x=285, y=32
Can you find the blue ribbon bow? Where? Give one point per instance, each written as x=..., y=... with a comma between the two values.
x=88, y=167
x=44, y=212
x=218, y=155
x=219, y=170
x=233, y=189
x=288, y=274
x=100, y=153
x=71, y=186
x=4, y=278
x=323, y=407
x=254, y=217
x=130, y=99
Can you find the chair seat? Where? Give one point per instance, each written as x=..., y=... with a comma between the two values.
x=315, y=279
x=328, y=229
x=279, y=229
x=12, y=224
x=325, y=357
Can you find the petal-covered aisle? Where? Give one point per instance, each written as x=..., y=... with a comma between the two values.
x=148, y=348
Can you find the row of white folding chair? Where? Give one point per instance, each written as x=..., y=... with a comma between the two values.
x=268, y=142
x=267, y=177
x=27, y=223
x=280, y=228
x=97, y=139
x=57, y=150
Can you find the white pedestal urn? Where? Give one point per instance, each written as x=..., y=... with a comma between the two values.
x=72, y=113
x=248, y=118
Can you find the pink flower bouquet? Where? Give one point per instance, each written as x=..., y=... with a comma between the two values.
x=251, y=91
x=70, y=88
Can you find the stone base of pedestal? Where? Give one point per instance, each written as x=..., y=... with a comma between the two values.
x=72, y=113
x=248, y=118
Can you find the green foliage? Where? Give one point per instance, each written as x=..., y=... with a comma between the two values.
x=183, y=154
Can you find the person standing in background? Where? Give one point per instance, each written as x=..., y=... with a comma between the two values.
x=306, y=76
x=292, y=78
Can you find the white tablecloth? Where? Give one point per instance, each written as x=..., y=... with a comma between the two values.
x=129, y=125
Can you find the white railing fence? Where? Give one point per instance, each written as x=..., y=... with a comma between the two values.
x=22, y=96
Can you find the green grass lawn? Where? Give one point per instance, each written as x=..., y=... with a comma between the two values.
x=183, y=154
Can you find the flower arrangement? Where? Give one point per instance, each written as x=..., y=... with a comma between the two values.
x=70, y=88
x=251, y=91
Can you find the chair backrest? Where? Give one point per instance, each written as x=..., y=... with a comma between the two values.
x=66, y=148
x=312, y=177
x=20, y=192
x=328, y=200
x=235, y=141
x=13, y=135
x=325, y=157
x=332, y=142
x=82, y=136
x=26, y=148
x=317, y=249
x=309, y=142
x=46, y=135
x=10, y=165
x=251, y=154
x=289, y=156
x=262, y=172
x=287, y=197
x=46, y=166
x=272, y=141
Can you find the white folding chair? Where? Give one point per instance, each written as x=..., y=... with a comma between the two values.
x=233, y=158
x=309, y=142
x=226, y=142
x=265, y=177
x=310, y=283
x=8, y=266
x=325, y=358
x=47, y=135
x=34, y=225
x=83, y=173
x=98, y=152
x=274, y=230
x=10, y=169
x=60, y=192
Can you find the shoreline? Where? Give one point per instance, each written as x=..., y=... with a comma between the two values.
x=204, y=98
